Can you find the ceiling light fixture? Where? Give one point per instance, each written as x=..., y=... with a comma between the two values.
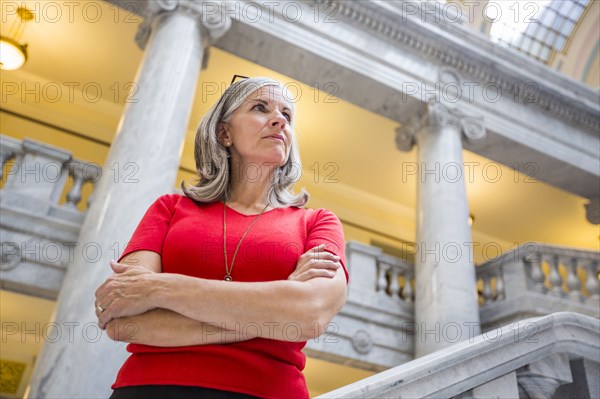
x=12, y=53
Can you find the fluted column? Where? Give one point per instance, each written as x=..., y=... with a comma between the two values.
x=446, y=307
x=80, y=361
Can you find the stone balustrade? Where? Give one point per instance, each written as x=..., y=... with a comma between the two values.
x=375, y=328
x=44, y=171
x=395, y=279
x=491, y=280
x=536, y=279
x=38, y=230
x=575, y=264
x=555, y=356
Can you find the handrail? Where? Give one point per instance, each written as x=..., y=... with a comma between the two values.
x=466, y=365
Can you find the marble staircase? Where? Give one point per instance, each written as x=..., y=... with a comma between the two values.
x=558, y=358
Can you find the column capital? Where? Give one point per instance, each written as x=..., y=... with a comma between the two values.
x=437, y=115
x=211, y=15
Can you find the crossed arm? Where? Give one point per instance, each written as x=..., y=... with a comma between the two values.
x=145, y=306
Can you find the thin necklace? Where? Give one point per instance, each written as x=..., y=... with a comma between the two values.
x=229, y=269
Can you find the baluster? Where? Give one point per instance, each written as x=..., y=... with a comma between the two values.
x=92, y=195
x=74, y=195
x=5, y=155
x=407, y=291
x=487, y=289
x=573, y=282
x=93, y=173
x=592, y=285
x=554, y=277
x=499, y=284
x=381, y=278
x=394, y=285
x=537, y=275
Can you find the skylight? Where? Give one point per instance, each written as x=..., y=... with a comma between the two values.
x=538, y=28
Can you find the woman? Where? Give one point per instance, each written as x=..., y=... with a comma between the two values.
x=218, y=290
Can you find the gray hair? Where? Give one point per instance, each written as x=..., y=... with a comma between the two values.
x=212, y=159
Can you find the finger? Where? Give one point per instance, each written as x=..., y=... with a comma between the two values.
x=106, y=315
x=105, y=301
x=317, y=264
x=318, y=248
x=102, y=320
x=99, y=315
x=118, y=267
x=312, y=256
x=315, y=269
x=321, y=258
x=323, y=264
x=331, y=255
x=314, y=273
x=321, y=254
x=324, y=255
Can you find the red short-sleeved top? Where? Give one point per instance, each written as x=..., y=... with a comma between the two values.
x=189, y=238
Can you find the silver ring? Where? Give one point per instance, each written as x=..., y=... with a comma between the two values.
x=100, y=308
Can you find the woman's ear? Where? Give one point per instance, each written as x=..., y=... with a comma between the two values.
x=223, y=135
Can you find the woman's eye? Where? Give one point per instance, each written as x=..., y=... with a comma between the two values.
x=288, y=117
x=260, y=107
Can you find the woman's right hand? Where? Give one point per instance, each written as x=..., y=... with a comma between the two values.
x=315, y=262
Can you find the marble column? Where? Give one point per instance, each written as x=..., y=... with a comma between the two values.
x=78, y=360
x=446, y=307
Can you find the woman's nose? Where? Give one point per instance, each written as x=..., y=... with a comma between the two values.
x=279, y=119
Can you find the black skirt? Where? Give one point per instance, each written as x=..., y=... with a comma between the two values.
x=175, y=392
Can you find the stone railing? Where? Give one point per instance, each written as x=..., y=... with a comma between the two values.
x=555, y=356
x=41, y=172
x=536, y=279
x=374, y=329
x=37, y=231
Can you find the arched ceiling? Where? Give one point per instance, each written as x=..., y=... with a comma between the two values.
x=563, y=34
x=538, y=28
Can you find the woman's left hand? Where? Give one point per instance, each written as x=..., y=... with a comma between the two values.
x=128, y=292
x=315, y=262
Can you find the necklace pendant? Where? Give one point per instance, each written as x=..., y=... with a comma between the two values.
x=228, y=278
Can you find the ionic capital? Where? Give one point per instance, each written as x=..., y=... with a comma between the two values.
x=437, y=115
x=406, y=135
x=211, y=15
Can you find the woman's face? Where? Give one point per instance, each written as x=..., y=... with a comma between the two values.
x=259, y=130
